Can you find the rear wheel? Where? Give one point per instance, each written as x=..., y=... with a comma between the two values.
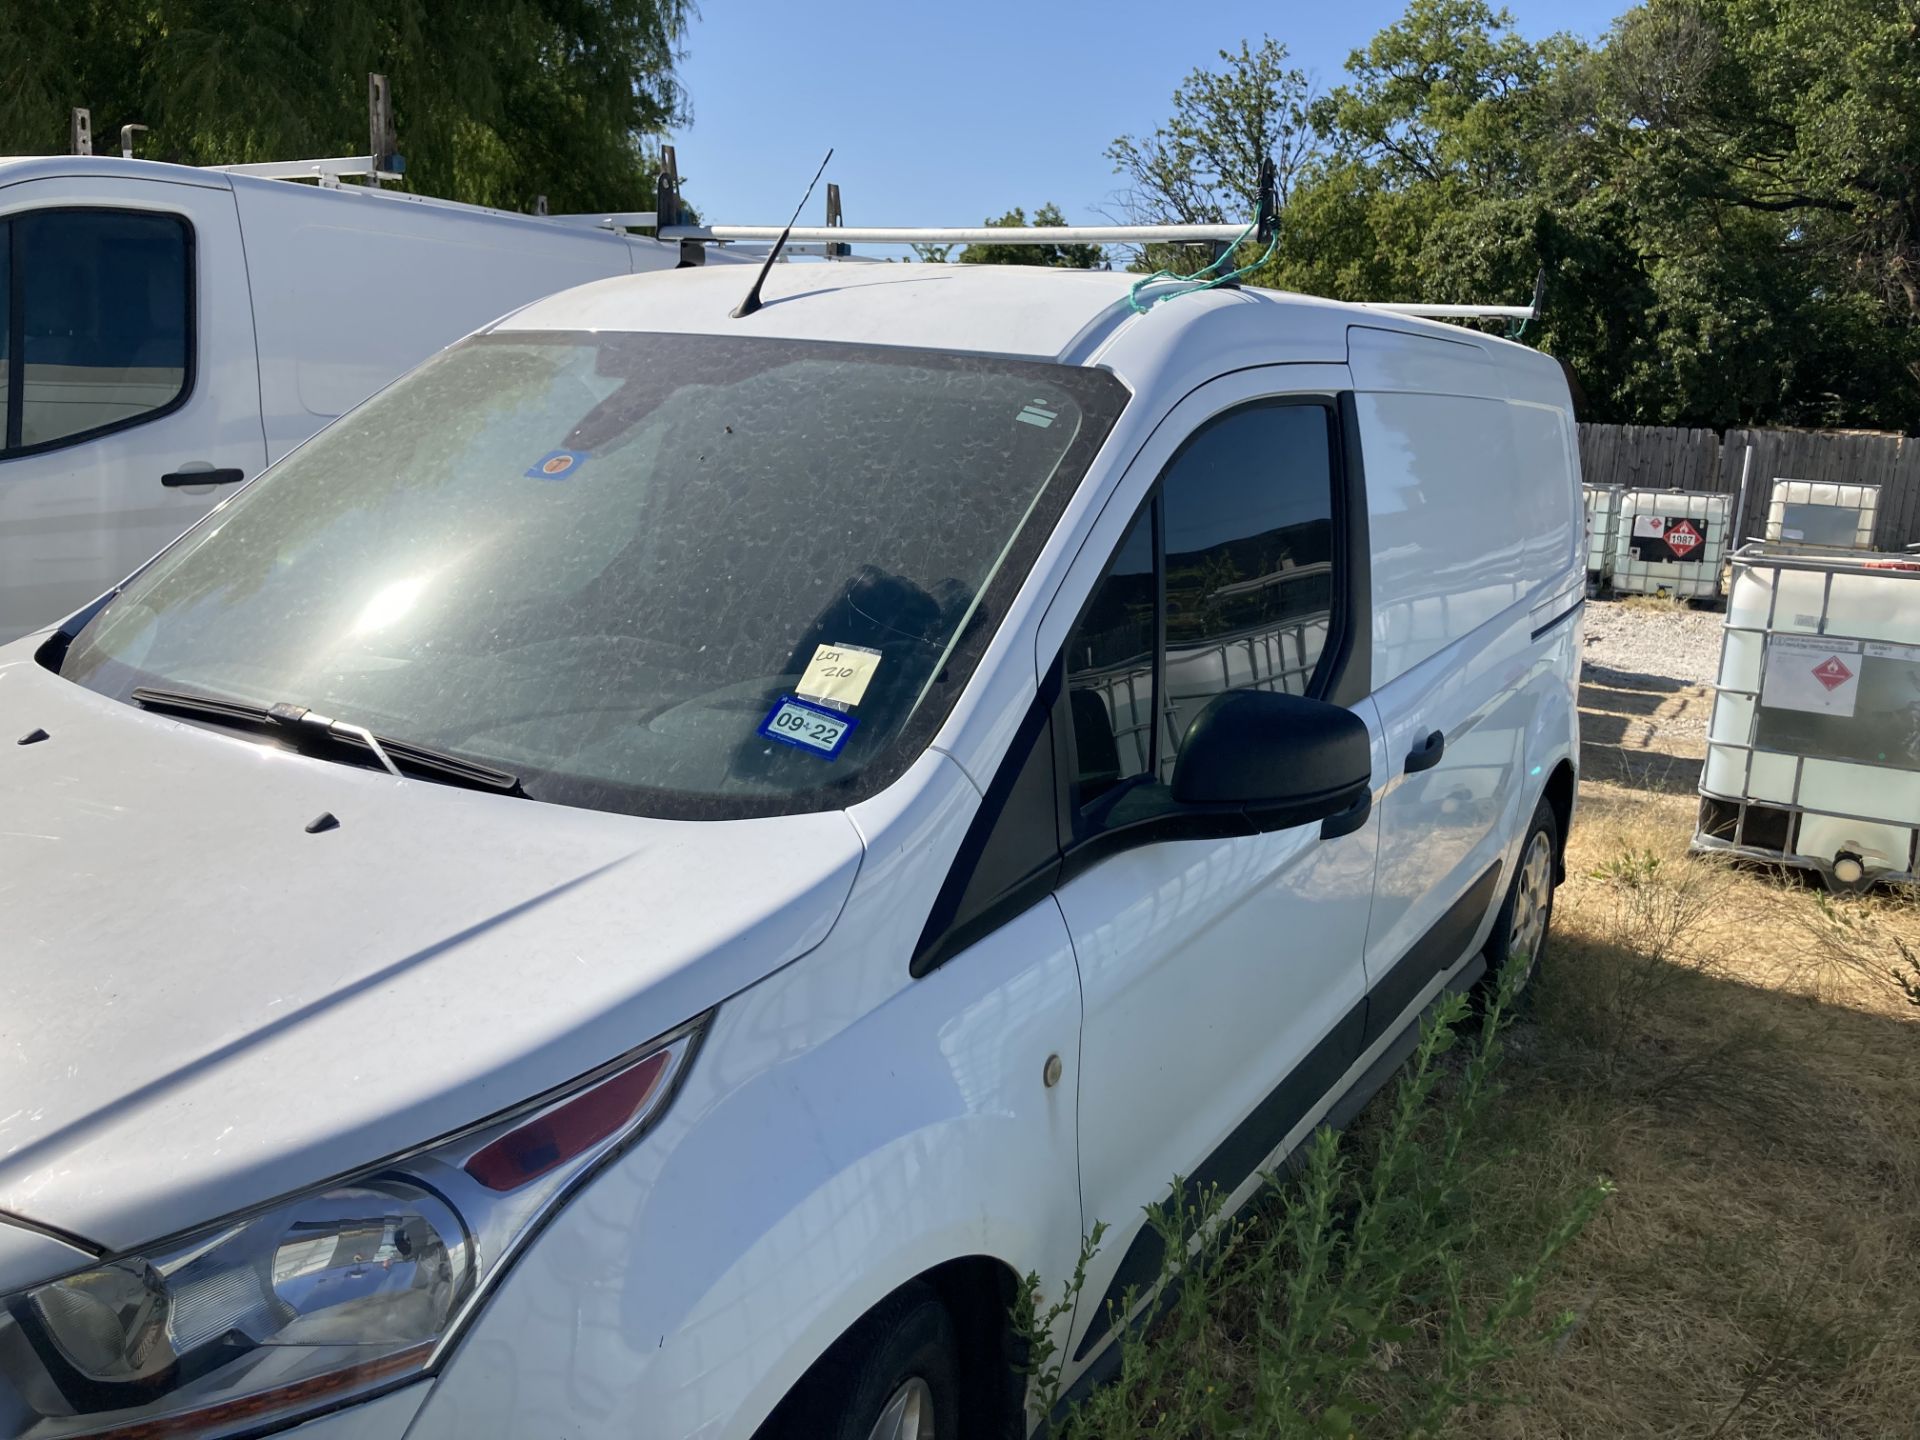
x=1520, y=929
x=892, y=1377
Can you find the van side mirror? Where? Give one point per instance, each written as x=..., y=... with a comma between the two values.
x=1281, y=759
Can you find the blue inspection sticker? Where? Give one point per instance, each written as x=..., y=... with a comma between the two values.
x=808, y=727
x=557, y=464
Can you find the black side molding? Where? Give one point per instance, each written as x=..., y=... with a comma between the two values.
x=1437, y=950
x=1560, y=619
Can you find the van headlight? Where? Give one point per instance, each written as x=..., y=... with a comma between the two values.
x=322, y=1298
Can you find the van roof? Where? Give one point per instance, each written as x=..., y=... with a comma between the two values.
x=17, y=168
x=1025, y=311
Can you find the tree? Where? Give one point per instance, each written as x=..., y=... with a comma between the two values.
x=496, y=101
x=1203, y=166
x=1725, y=195
x=1065, y=257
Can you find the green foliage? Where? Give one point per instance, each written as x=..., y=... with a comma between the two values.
x=1202, y=167
x=495, y=101
x=1906, y=974
x=1346, y=1308
x=1725, y=194
x=1634, y=869
x=1066, y=257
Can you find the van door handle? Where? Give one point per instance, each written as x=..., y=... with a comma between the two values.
x=173, y=479
x=1429, y=753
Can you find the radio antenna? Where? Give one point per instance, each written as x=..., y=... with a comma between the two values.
x=752, y=302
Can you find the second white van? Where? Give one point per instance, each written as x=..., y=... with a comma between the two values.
x=168, y=331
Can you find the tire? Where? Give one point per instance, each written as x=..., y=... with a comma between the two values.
x=1519, y=933
x=894, y=1376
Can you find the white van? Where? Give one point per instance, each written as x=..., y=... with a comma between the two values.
x=166, y=331
x=636, y=882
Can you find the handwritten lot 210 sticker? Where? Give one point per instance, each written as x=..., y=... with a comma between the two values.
x=557, y=465
x=839, y=674
x=810, y=727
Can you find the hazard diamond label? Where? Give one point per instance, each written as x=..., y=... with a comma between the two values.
x=1664, y=540
x=1832, y=672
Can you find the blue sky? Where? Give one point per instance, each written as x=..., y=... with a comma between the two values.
x=946, y=113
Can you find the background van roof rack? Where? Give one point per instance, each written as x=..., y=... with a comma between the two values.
x=833, y=241
x=963, y=234
x=381, y=162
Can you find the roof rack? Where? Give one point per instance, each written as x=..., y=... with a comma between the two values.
x=381, y=162
x=327, y=173
x=832, y=241
x=1529, y=311
x=964, y=235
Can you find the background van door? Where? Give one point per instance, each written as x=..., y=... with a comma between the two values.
x=126, y=340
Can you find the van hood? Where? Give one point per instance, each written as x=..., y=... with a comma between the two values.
x=206, y=1006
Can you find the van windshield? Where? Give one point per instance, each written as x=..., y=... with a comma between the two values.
x=692, y=576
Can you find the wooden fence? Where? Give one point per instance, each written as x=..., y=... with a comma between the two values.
x=1652, y=457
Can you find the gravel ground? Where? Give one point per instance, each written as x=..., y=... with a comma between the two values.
x=1646, y=692
x=1670, y=644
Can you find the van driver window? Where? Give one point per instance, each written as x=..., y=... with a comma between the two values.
x=1241, y=582
x=1249, y=560
x=101, y=333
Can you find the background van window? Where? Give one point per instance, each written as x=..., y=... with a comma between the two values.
x=102, y=331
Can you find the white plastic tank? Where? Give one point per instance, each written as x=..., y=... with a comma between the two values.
x=1833, y=517
x=1603, y=518
x=1813, y=750
x=1673, y=541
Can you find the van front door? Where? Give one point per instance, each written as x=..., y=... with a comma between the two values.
x=126, y=343
x=1222, y=979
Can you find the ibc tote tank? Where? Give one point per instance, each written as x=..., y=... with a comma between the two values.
x=1672, y=540
x=1813, y=751
x=1603, y=519
x=1836, y=517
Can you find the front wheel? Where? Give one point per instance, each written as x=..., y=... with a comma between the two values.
x=1520, y=929
x=892, y=1377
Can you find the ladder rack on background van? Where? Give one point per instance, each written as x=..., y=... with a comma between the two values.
x=832, y=241
x=381, y=162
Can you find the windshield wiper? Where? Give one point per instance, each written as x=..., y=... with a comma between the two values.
x=300, y=721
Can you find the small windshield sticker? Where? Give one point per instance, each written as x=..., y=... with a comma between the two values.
x=839, y=674
x=809, y=727
x=557, y=465
x=1035, y=413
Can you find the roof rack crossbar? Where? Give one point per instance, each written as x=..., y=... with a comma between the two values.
x=611, y=220
x=325, y=171
x=1458, y=312
x=964, y=235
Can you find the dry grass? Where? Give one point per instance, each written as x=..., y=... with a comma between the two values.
x=1732, y=1051
x=1664, y=601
